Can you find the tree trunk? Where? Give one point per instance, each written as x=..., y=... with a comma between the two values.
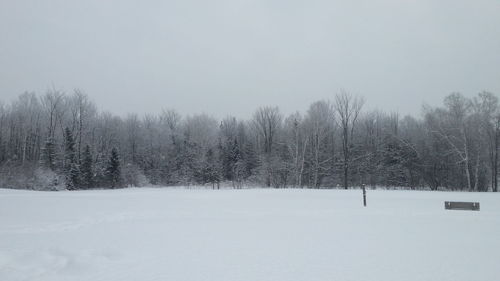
x=346, y=156
x=495, y=163
x=346, y=172
x=476, y=175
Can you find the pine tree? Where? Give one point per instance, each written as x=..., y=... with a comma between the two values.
x=187, y=161
x=250, y=159
x=235, y=152
x=230, y=156
x=87, y=169
x=113, y=171
x=237, y=164
x=227, y=159
x=71, y=169
x=2, y=150
x=48, y=154
x=210, y=168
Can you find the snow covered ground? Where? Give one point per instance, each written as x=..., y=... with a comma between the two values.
x=257, y=234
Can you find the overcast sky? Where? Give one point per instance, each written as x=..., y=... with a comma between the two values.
x=231, y=56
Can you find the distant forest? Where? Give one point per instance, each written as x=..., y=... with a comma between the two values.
x=61, y=141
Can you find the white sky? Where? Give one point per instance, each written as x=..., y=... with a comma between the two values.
x=230, y=56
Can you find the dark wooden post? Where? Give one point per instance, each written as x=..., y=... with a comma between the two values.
x=364, y=195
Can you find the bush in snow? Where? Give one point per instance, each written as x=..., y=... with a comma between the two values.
x=133, y=176
x=46, y=179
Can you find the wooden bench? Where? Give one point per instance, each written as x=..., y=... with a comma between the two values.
x=471, y=206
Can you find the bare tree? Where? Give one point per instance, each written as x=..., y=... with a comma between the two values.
x=487, y=110
x=450, y=125
x=267, y=121
x=320, y=127
x=52, y=102
x=297, y=143
x=82, y=110
x=133, y=129
x=171, y=119
x=347, y=108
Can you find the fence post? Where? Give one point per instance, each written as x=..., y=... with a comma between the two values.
x=364, y=195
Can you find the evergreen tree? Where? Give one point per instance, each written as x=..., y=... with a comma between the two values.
x=250, y=159
x=2, y=150
x=235, y=152
x=87, y=169
x=113, y=171
x=230, y=155
x=210, y=169
x=71, y=169
x=225, y=158
x=100, y=164
x=237, y=163
x=186, y=161
x=48, y=154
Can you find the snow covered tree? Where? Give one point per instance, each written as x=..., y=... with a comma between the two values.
x=250, y=159
x=233, y=163
x=71, y=169
x=453, y=146
x=48, y=154
x=87, y=169
x=113, y=171
x=320, y=129
x=348, y=108
x=210, y=171
x=267, y=123
x=296, y=141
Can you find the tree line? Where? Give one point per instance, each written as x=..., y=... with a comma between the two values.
x=61, y=141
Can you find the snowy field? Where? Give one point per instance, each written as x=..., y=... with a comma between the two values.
x=257, y=234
